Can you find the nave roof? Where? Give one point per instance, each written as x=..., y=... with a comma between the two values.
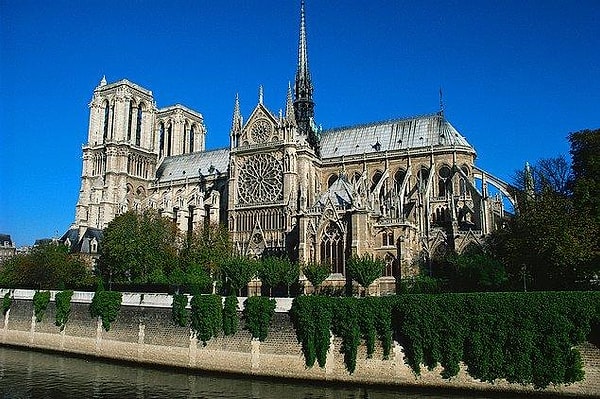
x=398, y=134
x=192, y=165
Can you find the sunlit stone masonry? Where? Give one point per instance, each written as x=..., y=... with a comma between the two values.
x=406, y=190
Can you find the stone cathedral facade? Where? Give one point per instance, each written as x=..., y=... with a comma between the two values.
x=405, y=190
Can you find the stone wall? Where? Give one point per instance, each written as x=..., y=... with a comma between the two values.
x=145, y=333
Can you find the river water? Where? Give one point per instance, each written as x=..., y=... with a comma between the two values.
x=29, y=374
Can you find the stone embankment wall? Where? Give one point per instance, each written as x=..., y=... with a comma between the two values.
x=144, y=332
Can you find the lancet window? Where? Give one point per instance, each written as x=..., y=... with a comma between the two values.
x=161, y=138
x=169, y=138
x=444, y=180
x=138, y=126
x=375, y=180
x=399, y=179
x=422, y=178
x=106, y=116
x=390, y=265
x=130, y=120
x=332, y=248
x=184, y=138
x=192, y=133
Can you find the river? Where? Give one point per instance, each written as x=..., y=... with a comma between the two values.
x=30, y=374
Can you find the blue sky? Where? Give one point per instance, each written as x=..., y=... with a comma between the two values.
x=517, y=76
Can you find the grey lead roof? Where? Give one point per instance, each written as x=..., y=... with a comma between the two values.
x=194, y=164
x=400, y=134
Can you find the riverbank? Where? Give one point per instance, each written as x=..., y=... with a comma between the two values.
x=145, y=333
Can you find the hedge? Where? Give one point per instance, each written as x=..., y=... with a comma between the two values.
x=525, y=338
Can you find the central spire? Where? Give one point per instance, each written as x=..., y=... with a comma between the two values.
x=304, y=106
x=303, y=81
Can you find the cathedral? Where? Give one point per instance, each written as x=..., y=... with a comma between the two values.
x=405, y=190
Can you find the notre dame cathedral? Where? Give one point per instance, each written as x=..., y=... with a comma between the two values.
x=405, y=190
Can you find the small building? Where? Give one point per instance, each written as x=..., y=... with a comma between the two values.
x=85, y=241
x=7, y=247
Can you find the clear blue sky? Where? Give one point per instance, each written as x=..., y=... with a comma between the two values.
x=517, y=76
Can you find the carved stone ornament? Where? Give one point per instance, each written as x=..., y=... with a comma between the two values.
x=261, y=180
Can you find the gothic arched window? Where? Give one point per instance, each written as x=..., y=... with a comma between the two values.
x=169, y=138
x=399, y=179
x=463, y=183
x=388, y=238
x=375, y=180
x=183, y=138
x=444, y=176
x=138, y=126
x=192, y=133
x=422, y=178
x=161, y=138
x=332, y=248
x=390, y=265
x=130, y=120
x=106, y=115
x=332, y=179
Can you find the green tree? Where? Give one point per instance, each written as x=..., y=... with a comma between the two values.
x=316, y=273
x=290, y=275
x=139, y=248
x=585, y=153
x=238, y=272
x=269, y=271
x=548, y=243
x=204, y=250
x=476, y=271
x=275, y=270
x=365, y=269
x=47, y=266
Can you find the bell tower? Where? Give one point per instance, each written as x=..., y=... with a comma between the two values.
x=119, y=159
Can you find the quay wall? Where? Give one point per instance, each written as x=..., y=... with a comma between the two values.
x=145, y=333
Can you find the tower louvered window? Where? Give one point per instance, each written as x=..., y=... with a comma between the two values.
x=138, y=126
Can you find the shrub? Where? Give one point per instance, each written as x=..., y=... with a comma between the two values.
x=345, y=325
x=258, y=312
x=230, y=315
x=63, y=308
x=179, y=311
x=6, y=302
x=40, y=304
x=521, y=337
x=106, y=305
x=524, y=338
x=207, y=316
x=311, y=316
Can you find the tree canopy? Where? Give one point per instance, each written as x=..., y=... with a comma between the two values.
x=49, y=265
x=553, y=241
x=139, y=248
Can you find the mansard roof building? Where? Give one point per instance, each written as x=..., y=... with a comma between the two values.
x=404, y=190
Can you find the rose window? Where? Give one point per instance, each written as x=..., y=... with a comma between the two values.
x=261, y=131
x=261, y=180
